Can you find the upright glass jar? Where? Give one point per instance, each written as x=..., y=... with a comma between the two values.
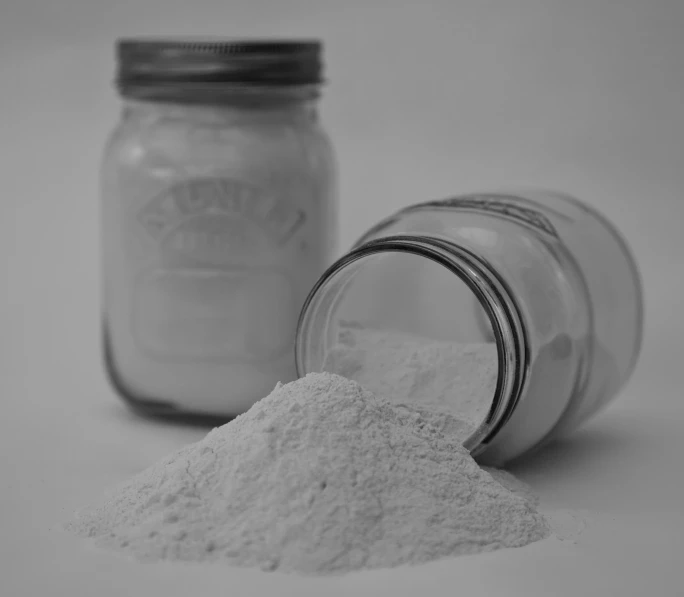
x=218, y=215
x=544, y=277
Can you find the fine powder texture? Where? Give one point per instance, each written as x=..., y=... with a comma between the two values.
x=321, y=476
x=421, y=373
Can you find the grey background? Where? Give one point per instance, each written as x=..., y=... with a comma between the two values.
x=425, y=99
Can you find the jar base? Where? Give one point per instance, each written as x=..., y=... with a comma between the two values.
x=149, y=407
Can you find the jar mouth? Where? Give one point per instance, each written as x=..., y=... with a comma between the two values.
x=480, y=278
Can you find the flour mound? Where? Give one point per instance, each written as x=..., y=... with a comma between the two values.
x=319, y=476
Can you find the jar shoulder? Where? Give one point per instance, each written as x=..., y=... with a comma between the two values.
x=141, y=141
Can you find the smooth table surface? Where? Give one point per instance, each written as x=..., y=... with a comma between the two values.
x=65, y=438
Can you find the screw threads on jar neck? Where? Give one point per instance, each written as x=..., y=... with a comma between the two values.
x=314, y=332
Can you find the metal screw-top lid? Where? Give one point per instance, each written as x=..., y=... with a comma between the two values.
x=175, y=62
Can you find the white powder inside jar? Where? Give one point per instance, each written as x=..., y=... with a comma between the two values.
x=214, y=235
x=321, y=476
x=453, y=384
x=432, y=376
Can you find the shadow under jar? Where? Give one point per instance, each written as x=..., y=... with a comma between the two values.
x=218, y=215
x=543, y=277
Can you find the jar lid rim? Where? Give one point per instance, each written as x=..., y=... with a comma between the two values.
x=149, y=61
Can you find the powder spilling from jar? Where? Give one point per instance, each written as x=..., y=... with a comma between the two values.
x=321, y=476
x=453, y=384
x=437, y=378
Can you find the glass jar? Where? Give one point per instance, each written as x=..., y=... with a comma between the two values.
x=540, y=276
x=218, y=215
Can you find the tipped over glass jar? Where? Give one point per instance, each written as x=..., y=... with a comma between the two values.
x=542, y=276
x=218, y=215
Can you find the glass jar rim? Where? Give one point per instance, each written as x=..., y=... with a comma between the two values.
x=490, y=289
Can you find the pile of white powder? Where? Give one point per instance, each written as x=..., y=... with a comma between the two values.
x=320, y=476
x=433, y=377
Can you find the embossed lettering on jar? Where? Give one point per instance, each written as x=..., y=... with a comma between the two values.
x=218, y=215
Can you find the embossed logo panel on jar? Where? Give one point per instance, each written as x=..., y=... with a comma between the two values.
x=219, y=291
